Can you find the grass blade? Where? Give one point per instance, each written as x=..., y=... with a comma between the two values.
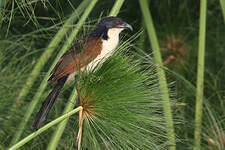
x=200, y=75
x=47, y=126
x=161, y=73
x=37, y=70
x=116, y=8
x=222, y=4
x=2, y=4
x=143, y=36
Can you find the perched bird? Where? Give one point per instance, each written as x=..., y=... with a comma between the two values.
x=85, y=54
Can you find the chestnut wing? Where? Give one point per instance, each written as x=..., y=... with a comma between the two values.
x=78, y=56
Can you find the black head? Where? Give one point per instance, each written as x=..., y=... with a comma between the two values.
x=114, y=22
x=108, y=23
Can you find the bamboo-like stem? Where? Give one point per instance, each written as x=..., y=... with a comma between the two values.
x=161, y=74
x=47, y=126
x=38, y=66
x=116, y=8
x=222, y=4
x=58, y=133
x=200, y=75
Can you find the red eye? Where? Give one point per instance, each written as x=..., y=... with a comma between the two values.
x=116, y=23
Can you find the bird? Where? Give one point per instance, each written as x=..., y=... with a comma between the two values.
x=86, y=54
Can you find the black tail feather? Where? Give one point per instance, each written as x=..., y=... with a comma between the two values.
x=48, y=103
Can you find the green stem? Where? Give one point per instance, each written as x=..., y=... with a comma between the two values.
x=141, y=41
x=200, y=75
x=222, y=4
x=1, y=4
x=58, y=133
x=1, y=12
x=47, y=126
x=161, y=74
x=37, y=69
x=116, y=8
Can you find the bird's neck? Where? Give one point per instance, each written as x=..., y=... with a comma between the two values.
x=109, y=45
x=110, y=38
x=100, y=31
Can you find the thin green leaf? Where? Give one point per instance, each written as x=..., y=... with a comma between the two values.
x=161, y=74
x=46, y=127
x=200, y=75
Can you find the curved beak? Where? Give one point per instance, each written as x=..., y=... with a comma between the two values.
x=125, y=26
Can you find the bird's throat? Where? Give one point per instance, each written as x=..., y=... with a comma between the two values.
x=108, y=47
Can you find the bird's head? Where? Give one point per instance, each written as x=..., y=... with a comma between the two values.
x=110, y=25
x=114, y=22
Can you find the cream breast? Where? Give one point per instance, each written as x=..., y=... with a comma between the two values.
x=108, y=47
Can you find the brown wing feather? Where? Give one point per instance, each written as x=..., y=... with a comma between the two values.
x=78, y=56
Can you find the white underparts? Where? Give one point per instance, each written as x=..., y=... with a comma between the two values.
x=108, y=47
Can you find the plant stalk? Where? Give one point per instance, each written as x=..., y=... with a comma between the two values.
x=116, y=8
x=47, y=126
x=79, y=135
x=200, y=75
x=161, y=74
x=222, y=4
x=141, y=41
x=2, y=4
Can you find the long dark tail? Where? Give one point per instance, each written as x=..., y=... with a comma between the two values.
x=48, y=103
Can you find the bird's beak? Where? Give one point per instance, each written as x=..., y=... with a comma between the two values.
x=125, y=26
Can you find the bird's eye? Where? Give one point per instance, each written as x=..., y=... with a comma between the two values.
x=116, y=23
